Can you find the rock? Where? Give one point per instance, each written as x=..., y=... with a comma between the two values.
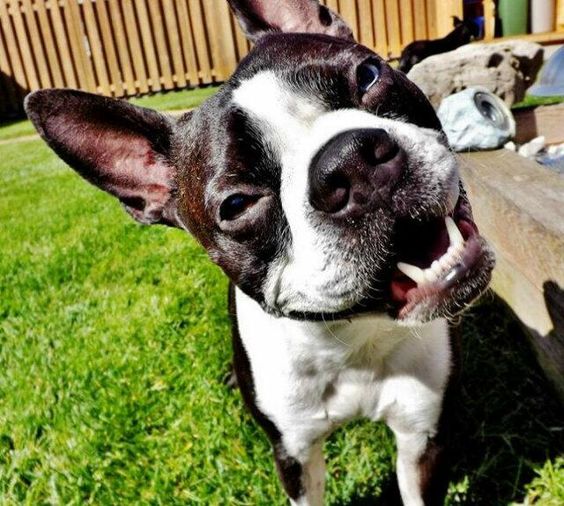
x=475, y=119
x=506, y=69
x=531, y=149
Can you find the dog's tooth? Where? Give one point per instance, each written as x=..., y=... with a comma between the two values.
x=453, y=233
x=430, y=276
x=436, y=267
x=412, y=271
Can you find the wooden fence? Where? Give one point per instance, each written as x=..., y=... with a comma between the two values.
x=130, y=47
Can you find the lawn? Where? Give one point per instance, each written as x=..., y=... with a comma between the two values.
x=114, y=342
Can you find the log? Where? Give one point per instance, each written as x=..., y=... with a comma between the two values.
x=518, y=206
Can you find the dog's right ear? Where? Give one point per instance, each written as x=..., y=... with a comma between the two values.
x=119, y=147
x=260, y=17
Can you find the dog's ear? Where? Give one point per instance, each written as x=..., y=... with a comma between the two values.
x=456, y=21
x=259, y=17
x=121, y=148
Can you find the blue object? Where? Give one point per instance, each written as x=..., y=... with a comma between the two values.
x=551, y=82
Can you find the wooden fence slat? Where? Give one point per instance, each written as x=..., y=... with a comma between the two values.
x=432, y=18
x=83, y=65
x=393, y=27
x=12, y=47
x=349, y=14
x=174, y=42
x=36, y=44
x=148, y=45
x=109, y=49
x=187, y=42
x=406, y=22
x=420, y=19
x=162, y=51
x=135, y=45
x=96, y=48
x=366, y=33
x=23, y=43
x=220, y=38
x=122, y=49
x=200, y=38
x=50, y=45
x=380, y=28
x=63, y=44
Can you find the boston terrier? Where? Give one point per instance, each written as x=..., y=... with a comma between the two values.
x=319, y=180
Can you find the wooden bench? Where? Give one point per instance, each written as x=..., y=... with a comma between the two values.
x=519, y=207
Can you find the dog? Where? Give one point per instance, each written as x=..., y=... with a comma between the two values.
x=464, y=32
x=319, y=179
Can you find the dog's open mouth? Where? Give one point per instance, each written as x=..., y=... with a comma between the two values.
x=434, y=258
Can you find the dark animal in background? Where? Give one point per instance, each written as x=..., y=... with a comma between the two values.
x=464, y=32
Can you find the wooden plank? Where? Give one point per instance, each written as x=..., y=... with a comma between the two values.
x=420, y=19
x=110, y=50
x=431, y=6
x=366, y=26
x=200, y=38
x=135, y=46
x=518, y=207
x=406, y=22
x=560, y=16
x=393, y=27
x=148, y=45
x=83, y=64
x=96, y=48
x=18, y=72
x=380, y=28
x=49, y=44
x=119, y=33
x=37, y=42
x=541, y=38
x=162, y=50
x=187, y=41
x=63, y=45
x=25, y=49
x=545, y=120
x=349, y=14
x=174, y=43
x=221, y=39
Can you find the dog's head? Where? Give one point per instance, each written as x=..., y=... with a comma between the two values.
x=309, y=177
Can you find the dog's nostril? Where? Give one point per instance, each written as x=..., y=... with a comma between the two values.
x=332, y=195
x=355, y=172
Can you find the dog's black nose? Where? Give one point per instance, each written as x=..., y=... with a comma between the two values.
x=355, y=172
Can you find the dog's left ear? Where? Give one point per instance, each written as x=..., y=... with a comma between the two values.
x=119, y=147
x=260, y=17
x=456, y=21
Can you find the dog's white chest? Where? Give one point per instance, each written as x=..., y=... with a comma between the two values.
x=313, y=376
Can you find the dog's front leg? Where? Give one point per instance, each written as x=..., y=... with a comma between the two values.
x=422, y=477
x=303, y=476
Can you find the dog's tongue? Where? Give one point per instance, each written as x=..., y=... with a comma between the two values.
x=399, y=287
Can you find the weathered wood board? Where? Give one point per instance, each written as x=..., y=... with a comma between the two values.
x=546, y=120
x=519, y=207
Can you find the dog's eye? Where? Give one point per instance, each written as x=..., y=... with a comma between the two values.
x=235, y=205
x=367, y=75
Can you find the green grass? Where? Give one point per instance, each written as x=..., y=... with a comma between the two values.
x=114, y=340
x=15, y=129
x=167, y=101
x=532, y=101
x=175, y=100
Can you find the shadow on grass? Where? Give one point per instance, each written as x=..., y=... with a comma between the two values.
x=507, y=417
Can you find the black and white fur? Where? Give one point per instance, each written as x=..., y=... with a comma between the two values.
x=318, y=338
